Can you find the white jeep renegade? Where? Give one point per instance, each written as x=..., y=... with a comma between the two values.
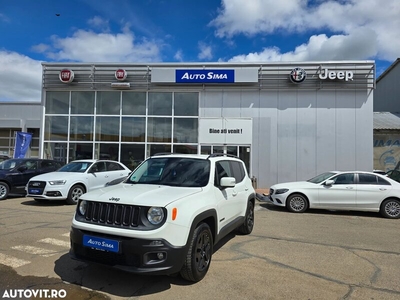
x=166, y=216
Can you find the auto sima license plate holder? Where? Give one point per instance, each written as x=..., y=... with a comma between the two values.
x=101, y=243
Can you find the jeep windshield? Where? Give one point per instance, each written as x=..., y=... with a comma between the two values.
x=172, y=171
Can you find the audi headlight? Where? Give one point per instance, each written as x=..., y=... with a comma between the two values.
x=82, y=207
x=57, y=182
x=281, y=191
x=155, y=215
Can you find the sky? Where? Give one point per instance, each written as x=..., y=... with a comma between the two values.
x=151, y=31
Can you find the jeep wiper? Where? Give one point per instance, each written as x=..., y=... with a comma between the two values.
x=171, y=183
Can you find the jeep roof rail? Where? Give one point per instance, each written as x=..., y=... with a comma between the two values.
x=168, y=153
x=221, y=154
x=162, y=153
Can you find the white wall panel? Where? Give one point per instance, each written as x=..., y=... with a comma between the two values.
x=325, y=132
x=364, y=130
x=231, y=104
x=306, y=135
x=287, y=135
x=265, y=144
x=211, y=104
x=345, y=130
x=299, y=134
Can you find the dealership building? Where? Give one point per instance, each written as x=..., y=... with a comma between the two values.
x=287, y=121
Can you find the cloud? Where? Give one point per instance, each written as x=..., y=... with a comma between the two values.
x=345, y=19
x=40, y=48
x=4, y=18
x=100, y=23
x=319, y=48
x=205, y=52
x=20, y=77
x=252, y=17
x=178, y=55
x=89, y=46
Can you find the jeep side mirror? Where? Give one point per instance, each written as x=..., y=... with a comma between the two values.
x=227, y=182
x=329, y=182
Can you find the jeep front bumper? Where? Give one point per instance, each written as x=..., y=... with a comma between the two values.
x=141, y=256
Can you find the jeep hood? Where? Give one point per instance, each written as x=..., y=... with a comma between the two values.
x=140, y=194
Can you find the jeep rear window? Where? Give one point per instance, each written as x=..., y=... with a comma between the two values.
x=172, y=171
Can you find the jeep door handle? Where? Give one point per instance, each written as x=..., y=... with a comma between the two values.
x=382, y=189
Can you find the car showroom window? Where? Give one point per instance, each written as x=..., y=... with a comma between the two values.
x=344, y=179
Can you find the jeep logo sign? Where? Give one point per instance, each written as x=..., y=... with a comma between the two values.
x=341, y=75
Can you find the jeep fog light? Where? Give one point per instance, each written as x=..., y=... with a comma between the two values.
x=82, y=207
x=155, y=215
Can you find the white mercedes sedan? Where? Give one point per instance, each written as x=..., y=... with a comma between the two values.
x=350, y=190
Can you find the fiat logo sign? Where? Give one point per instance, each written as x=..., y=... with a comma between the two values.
x=120, y=74
x=66, y=76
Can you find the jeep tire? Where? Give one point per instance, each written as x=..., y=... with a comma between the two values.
x=198, y=258
x=248, y=224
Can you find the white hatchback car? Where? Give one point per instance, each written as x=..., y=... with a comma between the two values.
x=351, y=190
x=74, y=179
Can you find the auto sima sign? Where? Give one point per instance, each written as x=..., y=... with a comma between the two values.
x=205, y=76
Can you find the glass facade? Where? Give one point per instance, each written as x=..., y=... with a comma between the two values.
x=120, y=125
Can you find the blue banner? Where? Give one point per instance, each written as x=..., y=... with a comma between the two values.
x=204, y=76
x=22, y=141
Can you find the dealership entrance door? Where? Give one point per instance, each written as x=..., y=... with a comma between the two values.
x=242, y=151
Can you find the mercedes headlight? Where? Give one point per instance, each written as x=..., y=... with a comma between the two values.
x=281, y=191
x=155, y=215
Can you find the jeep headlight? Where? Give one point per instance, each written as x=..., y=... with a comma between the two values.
x=155, y=215
x=57, y=182
x=82, y=207
x=281, y=191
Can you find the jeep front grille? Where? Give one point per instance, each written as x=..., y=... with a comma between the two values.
x=115, y=215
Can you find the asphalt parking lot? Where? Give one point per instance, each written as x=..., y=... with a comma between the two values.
x=315, y=255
